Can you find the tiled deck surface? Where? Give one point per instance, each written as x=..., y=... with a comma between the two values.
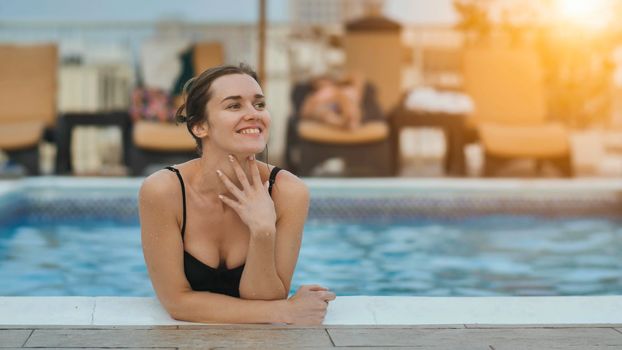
x=580, y=323
x=461, y=337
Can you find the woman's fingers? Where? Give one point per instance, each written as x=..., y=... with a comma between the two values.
x=239, y=172
x=328, y=296
x=315, y=287
x=230, y=202
x=235, y=191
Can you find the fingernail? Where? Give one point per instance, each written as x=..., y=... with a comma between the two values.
x=251, y=157
x=220, y=196
x=231, y=158
x=219, y=172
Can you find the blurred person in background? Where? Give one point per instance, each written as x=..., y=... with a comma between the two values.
x=335, y=101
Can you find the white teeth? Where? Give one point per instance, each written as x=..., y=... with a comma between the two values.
x=250, y=131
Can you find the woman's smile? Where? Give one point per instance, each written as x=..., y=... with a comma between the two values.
x=250, y=131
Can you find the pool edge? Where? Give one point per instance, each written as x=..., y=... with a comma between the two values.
x=471, y=312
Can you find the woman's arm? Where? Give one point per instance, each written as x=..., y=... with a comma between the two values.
x=274, y=244
x=260, y=280
x=309, y=106
x=318, y=105
x=278, y=255
x=159, y=200
x=349, y=103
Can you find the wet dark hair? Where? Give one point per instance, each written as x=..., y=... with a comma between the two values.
x=197, y=93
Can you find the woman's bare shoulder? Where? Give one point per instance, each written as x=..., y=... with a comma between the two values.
x=290, y=188
x=158, y=185
x=159, y=203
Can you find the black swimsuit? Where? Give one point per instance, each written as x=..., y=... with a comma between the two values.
x=203, y=277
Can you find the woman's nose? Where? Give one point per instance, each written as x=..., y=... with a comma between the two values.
x=251, y=114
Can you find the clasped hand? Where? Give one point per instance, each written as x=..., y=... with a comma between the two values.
x=252, y=203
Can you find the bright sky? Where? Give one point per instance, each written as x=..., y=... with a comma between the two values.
x=421, y=11
x=241, y=11
x=139, y=10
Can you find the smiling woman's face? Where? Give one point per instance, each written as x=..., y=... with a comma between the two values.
x=239, y=121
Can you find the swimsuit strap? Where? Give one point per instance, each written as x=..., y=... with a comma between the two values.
x=271, y=181
x=272, y=178
x=183, y=195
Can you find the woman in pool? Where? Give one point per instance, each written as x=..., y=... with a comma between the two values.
x=221, y=233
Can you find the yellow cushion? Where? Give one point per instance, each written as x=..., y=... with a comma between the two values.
x=28, y=83
x=162, y=136
x=207, y=55
x=19, y=135
x=319, y=132
x=547, y=140
x=506, y=86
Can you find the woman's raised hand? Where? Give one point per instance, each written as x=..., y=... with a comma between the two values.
x=308, y=305
x=252, y=203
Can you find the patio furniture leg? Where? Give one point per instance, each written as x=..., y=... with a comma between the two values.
x=311, y=155
x=539, y=165
x=492, y=164
x=455, y=160
x=564, y=165
x=29, y=158
x=292, y=149
x=396, y=155
x=138, y=161
x=372, y=159
x=141, y=159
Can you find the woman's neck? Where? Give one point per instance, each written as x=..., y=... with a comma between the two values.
x=207, y=181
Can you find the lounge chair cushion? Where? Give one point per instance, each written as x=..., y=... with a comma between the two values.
x=506, y=86
x=207, y=55
x=322, y=133
x=28, y=83
x=544, y=141
x=162, y=136
x=20, y=135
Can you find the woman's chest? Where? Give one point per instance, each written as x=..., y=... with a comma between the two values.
x=212, y=229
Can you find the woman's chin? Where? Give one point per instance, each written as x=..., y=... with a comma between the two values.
x=247, y=151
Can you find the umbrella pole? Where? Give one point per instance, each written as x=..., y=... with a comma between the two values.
x=261, y=69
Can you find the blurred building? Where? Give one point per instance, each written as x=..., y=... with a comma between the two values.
x=328, y=12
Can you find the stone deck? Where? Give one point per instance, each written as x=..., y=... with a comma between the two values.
x=485, y=323
x=463, y=337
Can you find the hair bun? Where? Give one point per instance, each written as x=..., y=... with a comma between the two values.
x=181, y=118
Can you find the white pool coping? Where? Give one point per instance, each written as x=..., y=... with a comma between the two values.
x=346, y=310
x=446, y=184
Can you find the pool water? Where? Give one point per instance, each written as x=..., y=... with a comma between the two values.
x=478, y=256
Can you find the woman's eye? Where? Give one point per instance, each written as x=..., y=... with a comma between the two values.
x=233, y=106
x=260, y=105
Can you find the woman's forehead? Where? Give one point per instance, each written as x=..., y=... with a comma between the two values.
x=235, y=85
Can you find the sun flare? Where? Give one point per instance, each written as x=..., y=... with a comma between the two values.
x=594, y=14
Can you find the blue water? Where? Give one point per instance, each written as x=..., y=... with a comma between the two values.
x=484, y=256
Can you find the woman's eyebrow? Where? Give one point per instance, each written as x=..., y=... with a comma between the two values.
x=238, y=97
